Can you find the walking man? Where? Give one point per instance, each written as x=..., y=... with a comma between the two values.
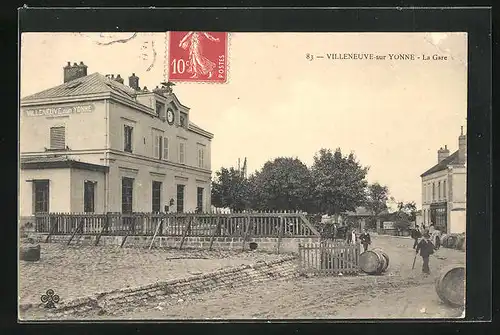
x=365, y=239
x=415, y=235
x=426, y=249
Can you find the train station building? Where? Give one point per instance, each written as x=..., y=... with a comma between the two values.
x=96, y=145
x=444, y=198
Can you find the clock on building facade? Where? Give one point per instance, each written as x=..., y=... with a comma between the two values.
x=170, y=116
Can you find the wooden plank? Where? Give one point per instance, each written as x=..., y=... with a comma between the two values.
x=52, y=228
x=185, y=232
x=79, y=227
x=214, y=233
x=247, y=231
x=280, y=233
x=156, y=233
x=104, y=226
x=309, y=225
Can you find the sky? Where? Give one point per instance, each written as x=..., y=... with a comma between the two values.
x=394, y=115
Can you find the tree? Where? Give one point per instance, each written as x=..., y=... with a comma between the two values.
x=282, y=184
x=338, y=182
x=376, y=202
x=230, y=189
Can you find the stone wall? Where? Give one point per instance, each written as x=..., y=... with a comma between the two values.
x=173, y=290
x=286, y=245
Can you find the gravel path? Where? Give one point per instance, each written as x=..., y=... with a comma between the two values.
x=79, y=271
x=400, y=293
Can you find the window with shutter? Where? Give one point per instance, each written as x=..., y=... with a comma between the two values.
x=57, y=138
x=155, y=145
x=127, y=138
x=165, y=148
x=182, y=148
x=89, y=196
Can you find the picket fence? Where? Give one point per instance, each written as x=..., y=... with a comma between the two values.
x=328, y=257
x=244, y=224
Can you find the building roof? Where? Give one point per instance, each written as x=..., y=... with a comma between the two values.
x=92, y=84
x=450, y=160
x=360, y=211
x=95, y=83
x=58, y=161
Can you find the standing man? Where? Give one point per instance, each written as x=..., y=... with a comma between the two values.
x=365, y=239
x=415, y=235
x=426, y=249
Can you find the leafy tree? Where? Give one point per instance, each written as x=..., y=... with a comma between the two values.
x=282, y=184
x=230, y=189
x=338, y=182
x=376, y=202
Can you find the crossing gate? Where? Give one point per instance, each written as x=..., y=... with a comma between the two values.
x=329, y=258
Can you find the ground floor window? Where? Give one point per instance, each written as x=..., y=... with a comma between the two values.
x=439, y=217
x=127, y=194
x=89, y=196
x=199, y=199
x=41, y=196
x=180, y=198
x=156, y=196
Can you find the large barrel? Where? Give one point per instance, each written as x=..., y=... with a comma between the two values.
x=450, y=285
x=29, y=252
x=460, y=245
x=444, y=240
x=451, y=240
x=373, y=261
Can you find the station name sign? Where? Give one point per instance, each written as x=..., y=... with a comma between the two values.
x=59, y=111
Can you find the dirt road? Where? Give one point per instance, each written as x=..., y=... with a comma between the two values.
x=400, y=293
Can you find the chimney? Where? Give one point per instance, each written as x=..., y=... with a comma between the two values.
x=133, y=82
x=443, y=153
x=119, y=79
x=462, y=147
x=75, y=71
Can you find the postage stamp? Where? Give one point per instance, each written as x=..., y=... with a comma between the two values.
x=197, y=56
x=143, y=196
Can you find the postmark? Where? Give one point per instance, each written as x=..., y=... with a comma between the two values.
x=196, y=56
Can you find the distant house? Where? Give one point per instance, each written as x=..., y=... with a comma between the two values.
x=358, y=217
x=444, y=189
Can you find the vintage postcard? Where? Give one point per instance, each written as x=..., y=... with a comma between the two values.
x=228, y=175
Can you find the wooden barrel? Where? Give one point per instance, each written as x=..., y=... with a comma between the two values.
x=450, y=285
x=451, y=240
x=373, y=261
x=29, y=252
x=460, y=245
x=444, y=240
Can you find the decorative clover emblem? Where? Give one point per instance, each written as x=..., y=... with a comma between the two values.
x=50, y=299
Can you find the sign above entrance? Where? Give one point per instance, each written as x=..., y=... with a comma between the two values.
x=58, y=111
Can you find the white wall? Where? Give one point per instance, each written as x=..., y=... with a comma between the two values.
x=458, y=221
x=59, y=190
x=78, y=177
x=83, y=131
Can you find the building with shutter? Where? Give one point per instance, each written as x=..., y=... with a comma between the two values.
x=93, y=144
x=444, y=199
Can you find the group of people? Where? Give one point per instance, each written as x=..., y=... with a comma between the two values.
x=426, y=241
x=364, y=239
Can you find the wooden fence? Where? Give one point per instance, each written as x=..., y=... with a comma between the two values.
x=329, y=257
x=285, y=224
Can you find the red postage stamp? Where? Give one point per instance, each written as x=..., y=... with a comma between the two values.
x=196, y=56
